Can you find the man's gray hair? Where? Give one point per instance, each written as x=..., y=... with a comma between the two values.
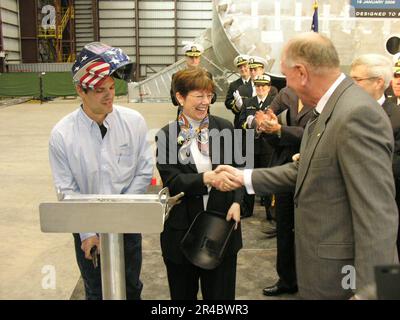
x=377, y=66
x=313, y=50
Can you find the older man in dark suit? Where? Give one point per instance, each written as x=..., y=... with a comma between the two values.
x=344, y=195
x=373, y=73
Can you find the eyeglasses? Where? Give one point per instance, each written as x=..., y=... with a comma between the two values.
x=356, y=79
x=200, y=97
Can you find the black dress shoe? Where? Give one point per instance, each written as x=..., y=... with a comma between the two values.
x=270, y=235
x=277, y=289
x=269, y=229
x=270, y=232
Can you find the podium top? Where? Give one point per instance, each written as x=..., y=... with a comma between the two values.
x=101, y=217
x=125, y=213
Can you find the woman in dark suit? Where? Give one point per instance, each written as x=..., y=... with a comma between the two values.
x=186, y=160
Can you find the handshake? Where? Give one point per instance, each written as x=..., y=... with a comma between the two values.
x=267, y=122
x=224, y=178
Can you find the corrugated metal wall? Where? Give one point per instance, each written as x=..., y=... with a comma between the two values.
x=10, y=29
x=84, y=25
x=41, y=67
x=163, y=25
x=158, y=36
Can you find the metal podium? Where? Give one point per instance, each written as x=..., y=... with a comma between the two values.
x=110, y=216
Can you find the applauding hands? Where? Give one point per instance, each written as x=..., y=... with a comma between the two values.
x=267, y=122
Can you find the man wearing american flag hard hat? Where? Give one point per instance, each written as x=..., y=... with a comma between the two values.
x=97, y=61
x=101, y=148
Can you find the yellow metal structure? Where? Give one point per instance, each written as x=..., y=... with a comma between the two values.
x=64, y=48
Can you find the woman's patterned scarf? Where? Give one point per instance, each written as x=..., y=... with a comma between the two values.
x=188, y=133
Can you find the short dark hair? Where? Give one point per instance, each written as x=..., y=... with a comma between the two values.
x=190, y=79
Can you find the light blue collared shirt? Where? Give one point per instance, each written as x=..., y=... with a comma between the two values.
x=84, y=163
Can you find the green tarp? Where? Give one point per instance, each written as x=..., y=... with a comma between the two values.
x=57, y=84
x=54, y=84
x=19, y=84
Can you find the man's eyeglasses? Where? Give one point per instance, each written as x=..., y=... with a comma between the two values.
x=357, y=79
x=200, y=97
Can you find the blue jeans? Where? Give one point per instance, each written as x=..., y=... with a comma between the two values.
x=133, y=264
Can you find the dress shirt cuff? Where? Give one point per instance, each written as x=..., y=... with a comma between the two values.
x=247, y=180
x=249, y=121
x=84, y=236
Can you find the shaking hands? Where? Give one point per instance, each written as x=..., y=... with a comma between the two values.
x=224, y=178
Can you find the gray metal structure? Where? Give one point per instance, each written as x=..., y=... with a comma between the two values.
x=110, y=216
x=262, y=27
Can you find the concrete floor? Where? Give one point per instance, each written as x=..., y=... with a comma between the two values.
x=29, y=257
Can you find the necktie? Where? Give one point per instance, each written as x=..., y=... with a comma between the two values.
x=312, y=122
x=260, y=104
x=103, y=130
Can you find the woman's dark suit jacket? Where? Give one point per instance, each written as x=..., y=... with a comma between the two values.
x=184, y=177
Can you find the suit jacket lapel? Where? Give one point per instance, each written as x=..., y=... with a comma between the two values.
x=212, y=124
x=303, y=112
x=307, y=148
x=387, y=108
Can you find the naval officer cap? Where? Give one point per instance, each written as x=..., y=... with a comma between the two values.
x=263, y=79
x=193, y=50
x=255, y=62
x=241, y=60
x=396, y=69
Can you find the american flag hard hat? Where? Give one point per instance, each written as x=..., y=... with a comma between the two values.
x=97, y=61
